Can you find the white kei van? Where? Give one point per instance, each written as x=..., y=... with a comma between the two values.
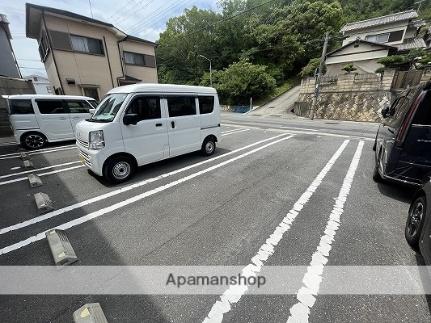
x=38, y=119
x=144, y=123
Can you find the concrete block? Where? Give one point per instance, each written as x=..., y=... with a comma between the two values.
x=89, y=313
x=61, y=248
x=28, y=164
x=34, y=180
x=23, y=156
x=43, y=203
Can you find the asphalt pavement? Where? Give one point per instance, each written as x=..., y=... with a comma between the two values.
x=267, y=173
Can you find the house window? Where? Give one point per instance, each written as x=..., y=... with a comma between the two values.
x=81, y=44
x=139, y=59
x=43, y=47
x=386, y=37
x=91, y=92
x=381, y=38
x=86, y=45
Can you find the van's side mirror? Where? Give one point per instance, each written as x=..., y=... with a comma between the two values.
x=130, y=118
x=385, y=111
x=91, y=111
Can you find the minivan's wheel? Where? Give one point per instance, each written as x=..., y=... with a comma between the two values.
x=33, y=140
x=415, y=221
x=208, y=147
x=118, y=169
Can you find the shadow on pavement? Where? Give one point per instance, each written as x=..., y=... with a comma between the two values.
x=396, y=191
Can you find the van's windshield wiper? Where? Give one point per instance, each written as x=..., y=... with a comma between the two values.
x=99, y=120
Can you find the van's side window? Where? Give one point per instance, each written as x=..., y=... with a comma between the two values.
x=21, y=107
x=181, y=106
x=146, y=107
x=51, y=106
x=423, y=113
x=206, y=104
x=78, y=106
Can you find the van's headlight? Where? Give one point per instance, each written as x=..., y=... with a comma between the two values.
x=96, y=140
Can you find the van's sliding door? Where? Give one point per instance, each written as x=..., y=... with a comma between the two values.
x=183, y=124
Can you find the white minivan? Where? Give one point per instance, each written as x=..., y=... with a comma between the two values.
x=144, y=123
x=37, y=119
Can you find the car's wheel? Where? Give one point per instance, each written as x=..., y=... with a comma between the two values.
x=415, y=221
x=208, y=147
x=33, y=140
x=118, y=169
x=376, y=174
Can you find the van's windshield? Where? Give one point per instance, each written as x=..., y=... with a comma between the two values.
x=108, y=108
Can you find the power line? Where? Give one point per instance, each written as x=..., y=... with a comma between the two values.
x=154, y=19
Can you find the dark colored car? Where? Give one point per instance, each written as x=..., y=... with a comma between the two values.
x=418, y=226
x=403, y=141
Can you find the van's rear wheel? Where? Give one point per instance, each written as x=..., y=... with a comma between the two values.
x=118, y=169
x=33, y=140
x=208, y=147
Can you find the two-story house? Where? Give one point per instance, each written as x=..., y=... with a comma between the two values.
x=366, y=41
x=8, y=64
x=85, y=56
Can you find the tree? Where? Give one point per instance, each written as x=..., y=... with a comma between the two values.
x=311, y=67
x=349, y=68
x=240, y=81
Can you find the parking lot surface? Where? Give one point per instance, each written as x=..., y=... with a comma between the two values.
x=214, y=211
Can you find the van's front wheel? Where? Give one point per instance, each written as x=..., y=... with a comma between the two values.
x=118, y=169
x=208, y=147
x=33, y=140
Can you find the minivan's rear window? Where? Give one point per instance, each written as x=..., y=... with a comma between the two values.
x=206, y=104
x=181, y=106
x=21, y=107
x=50, y=106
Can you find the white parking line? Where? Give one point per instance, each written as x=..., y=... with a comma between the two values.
x=311, y=281
x=38, y=169
x=38, y=152
x=314, y=132
x=124, y=189
x=136, y=198
x=234, y=293
x=20, y=179
x=234, y=132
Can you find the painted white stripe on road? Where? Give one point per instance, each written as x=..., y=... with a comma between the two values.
x=311, y=281
x=38, y=152
x=133, y=199
x=235, y=132
x=20, y=179
x=316, y=133
x=38, y=169
x=125, y=189
x=234, y=293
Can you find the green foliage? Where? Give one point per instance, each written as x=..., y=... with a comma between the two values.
x=349, y=68
x=283, y=35
x=311, y=67
x=240, y=81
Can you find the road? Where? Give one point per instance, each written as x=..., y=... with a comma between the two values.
x=279, y=106
x=217, y=211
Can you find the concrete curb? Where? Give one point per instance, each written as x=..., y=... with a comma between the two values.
x=43, y=203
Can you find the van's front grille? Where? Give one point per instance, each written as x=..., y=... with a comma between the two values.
x=85, y=157
x=82, y=142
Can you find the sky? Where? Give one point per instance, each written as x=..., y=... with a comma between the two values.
x=142, y=18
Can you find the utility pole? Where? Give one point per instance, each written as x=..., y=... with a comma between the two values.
x=319, y=75
x=211, y=78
